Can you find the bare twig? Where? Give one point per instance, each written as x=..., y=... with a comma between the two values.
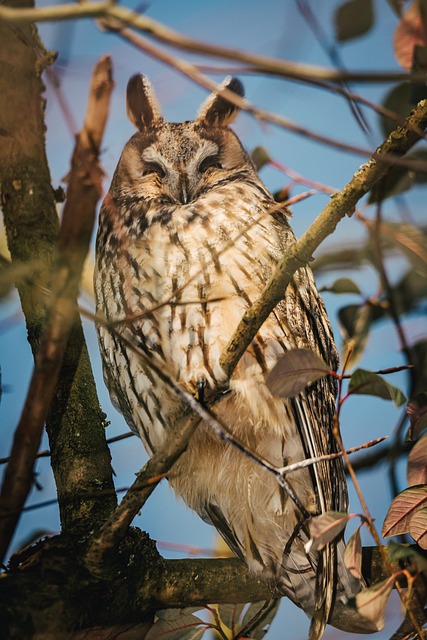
x=263, y=64
x=192, y=72
x=73, y=244
x=329, y=456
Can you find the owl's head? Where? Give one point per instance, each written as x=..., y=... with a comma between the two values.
x=176, y=163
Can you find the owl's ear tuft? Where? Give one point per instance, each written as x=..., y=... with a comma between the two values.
x=141, y=103
x=216, y=110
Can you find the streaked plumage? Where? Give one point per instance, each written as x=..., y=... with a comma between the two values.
x=188, y=223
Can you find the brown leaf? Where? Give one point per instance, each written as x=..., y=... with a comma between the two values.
x=294, y=371
x=353, y=554
x=410, y=31
x=325, y=528
x=402, y=510
x=417, y=463
x=417, y=414
x=418, y=527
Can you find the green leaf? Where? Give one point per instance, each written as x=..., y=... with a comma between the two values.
x=294, y=371
x=397, y=100
x=343, y=285
x=410, y=291
x=403, y=508
x=396, y=552
x=397, y=180
x=364, y=382
x=325, y=528
x=260, y=157
x=353, y=19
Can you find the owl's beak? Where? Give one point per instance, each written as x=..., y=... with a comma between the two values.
x=184, y=195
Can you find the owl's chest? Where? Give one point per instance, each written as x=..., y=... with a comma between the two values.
x=206, y=251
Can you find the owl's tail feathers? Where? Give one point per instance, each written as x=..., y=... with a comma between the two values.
x=343, y=615
x=323, y=591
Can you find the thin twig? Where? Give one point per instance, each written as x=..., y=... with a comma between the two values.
x=329, y=456
x=192, y=72
x=263, y=64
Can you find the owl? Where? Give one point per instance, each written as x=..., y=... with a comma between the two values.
x=188, y=238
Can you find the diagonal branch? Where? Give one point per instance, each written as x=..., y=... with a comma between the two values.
x=300, y=253
x=73, y=244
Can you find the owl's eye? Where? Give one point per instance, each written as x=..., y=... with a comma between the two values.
x=211, y=162
x=153, y=167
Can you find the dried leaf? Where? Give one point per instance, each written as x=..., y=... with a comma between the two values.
x=294, y=371
x=325, y=528
x=261, y=616
x=353, y=554
x=343, y=285
x=418, y=526
x=177, y=624
x=13, y=274
x=355, y=323
x=417, y=463
x=402, y=510
x=353, y=19
x=364, y=382
x=418, y=355
x=408, y=239
x=417, y=414
x=371, y=602
x=410, y=32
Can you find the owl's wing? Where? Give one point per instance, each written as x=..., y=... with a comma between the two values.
x=313, y=411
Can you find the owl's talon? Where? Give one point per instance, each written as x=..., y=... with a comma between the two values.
x=200, y=390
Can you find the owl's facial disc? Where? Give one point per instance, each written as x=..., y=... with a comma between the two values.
x=184, y=169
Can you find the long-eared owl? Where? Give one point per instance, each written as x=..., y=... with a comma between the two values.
x=188, y=238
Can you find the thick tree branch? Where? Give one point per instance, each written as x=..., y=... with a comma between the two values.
x=300, y=253
x=139, y=582
x=73, y=244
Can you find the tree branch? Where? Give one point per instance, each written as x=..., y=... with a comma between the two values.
x=300, y=253
x=262, y=64
x=73, y=244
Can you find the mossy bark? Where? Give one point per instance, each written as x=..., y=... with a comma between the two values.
x=80, y=456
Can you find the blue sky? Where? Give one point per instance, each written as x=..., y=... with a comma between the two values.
x=272, y=28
